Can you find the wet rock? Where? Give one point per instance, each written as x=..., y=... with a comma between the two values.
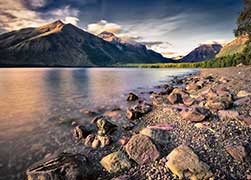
x=115, y=162
x=63, y=166
x=123, y=140
x=138, y=110
x=184, y=163
x=158, y=133
x=89, y=139
x=238, y=152
x=132, y=97
x=95, y=142
x=141, y=149
x=104, y=125
x=157, y=100
x=81, y=132
x=193, y=87
x=88, y=112
x=228, y=114
x=243, y=94
x=194, y=114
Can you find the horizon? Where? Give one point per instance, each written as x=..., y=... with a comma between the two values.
x=172, y=28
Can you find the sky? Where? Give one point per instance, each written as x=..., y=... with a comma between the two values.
x=171, y=27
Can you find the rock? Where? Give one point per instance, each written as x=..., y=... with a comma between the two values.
x=123, y=140
x=174, y=98
x=138, y=110
x=158, y=133
x=188, y=101
x=121, y=178
x=157, y=100
x=132, y=97
x=246, y=119
x=104, y=125
x=104, y=141
x=194, y=114
x=228, y=114
x=81, y=132
x=243, y=94
x=193, y=87
x=63, y=166
x=88, y=112
x=95, y=143
x=141, y=149
x=89, y=139
x=115, y=162
x=238, y=152
x=242, y=101
x=184, y=163
x=219, y=103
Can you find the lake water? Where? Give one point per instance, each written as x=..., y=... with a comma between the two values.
x=36, y=102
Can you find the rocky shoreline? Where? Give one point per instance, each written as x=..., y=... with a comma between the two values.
x=196, y=127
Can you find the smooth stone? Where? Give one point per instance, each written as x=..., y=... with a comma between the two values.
x=194, y=114
x=115, y=162
x=184, y=163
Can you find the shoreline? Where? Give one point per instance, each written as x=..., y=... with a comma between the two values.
x=185, y=111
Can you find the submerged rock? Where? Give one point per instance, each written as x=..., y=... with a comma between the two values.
x=184, y=163
x=65, y=166
x=115, y=162
x=132, y=97
x=141, y=149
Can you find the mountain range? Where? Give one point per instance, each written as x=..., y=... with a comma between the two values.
x=59, y=44
x=201, y=53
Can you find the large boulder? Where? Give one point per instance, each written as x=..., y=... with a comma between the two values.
x=141, y=149
x=158, y=133
x=194, y=114
x=184, y=163
x=65, y=166
x=115, y=162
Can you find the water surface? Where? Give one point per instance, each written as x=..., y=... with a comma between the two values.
x=33, y=99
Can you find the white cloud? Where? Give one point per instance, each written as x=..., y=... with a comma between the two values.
x=37, y=3
x=102, y=26
x=72, y=20
x=14, y=15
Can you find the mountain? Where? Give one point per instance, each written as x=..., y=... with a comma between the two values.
x=201, y=53
x=133, y=48
x=59, y=44
x=235, y=46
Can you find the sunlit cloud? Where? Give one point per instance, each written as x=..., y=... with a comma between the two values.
x=103, y=25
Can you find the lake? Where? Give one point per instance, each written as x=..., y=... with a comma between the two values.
x=36, y=104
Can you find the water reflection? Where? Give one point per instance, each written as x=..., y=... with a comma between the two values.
x=29, y=97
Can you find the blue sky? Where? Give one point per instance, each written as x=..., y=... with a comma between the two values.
x=172, y=27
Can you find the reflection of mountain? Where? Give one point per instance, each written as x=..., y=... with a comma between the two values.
x=60, y=44
x=201, y=53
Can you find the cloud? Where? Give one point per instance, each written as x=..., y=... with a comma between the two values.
x=72, y=20
x=102, y=26
x=222, y=42
x=15, y=14
x=36, y=3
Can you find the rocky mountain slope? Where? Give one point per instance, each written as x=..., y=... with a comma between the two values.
x=133, y=48
x=59, y=44
x=235, y=46
x=201, y=53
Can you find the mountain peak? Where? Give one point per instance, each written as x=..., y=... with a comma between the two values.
x=55, y=26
